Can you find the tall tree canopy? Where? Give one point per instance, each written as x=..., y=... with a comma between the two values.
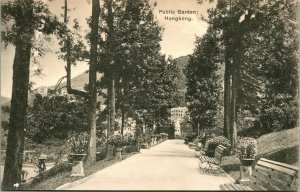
x=259, y=42
x=23, y=22
x=203, y=82
x=129, y=52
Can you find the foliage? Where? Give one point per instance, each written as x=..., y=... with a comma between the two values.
x=203, y=86
x=246, y=148
x=278, y=114
x=3, y=138
x=78, y=142
x=26, y=24
x=259, y=43
x=132, y=47
x=218, y=140
x=117, y=140
x=189, y=138
x=164, y=135
x=186, y=127
x=54, y=117
x=130, y=139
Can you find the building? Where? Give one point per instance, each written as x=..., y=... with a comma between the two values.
x=63, y=91
x=42, y=91
x=177, y=116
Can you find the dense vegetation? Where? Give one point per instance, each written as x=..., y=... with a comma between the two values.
x=256, y=44
x=122, y=44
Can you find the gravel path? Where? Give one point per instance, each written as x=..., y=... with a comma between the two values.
x=170, y=165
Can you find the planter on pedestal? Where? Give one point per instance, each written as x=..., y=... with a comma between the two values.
x=119, y=152
x=77, y=165
x=149, y=144
x=245, y=171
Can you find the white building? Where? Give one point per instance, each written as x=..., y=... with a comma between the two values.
x=42, y=91
x=177, y=116
x=63, y=91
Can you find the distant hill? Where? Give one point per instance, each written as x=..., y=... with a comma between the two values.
x=181, y=79
x=78, y=81
x=5, y=101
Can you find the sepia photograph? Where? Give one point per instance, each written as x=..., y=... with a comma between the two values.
x=153, y=95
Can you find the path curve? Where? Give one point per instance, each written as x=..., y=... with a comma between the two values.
x=170, y=165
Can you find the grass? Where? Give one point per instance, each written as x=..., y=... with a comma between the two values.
x=282, y=146
x=60, y=175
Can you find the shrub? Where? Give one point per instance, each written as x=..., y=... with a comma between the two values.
x=190, y=138
x=246, y=148
x=213, y=143
x=78, y=142
x=117, y=140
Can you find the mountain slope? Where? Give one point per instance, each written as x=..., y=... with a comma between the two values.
x=78, y=81
x=181, y=79
x=5, y=100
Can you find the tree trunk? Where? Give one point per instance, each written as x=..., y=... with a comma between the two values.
x=227, y=93
x=110, y=39
x=123, y=119
x=68, y=68
x=15, y=139
x=113, y=102
x=233, y=111
x=91, y=158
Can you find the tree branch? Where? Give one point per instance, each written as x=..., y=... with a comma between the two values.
x=69, y=87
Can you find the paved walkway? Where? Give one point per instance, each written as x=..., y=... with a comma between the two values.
x=170, y=165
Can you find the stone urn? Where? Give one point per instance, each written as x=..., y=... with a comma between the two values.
x=245, y=171
x=119, y=152
x=77, y=165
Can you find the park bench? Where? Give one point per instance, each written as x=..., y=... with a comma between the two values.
x=269, y=175
x=213, y=161
x=144, y=146
x=192, y=145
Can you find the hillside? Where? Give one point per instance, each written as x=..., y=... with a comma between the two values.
x=82, y=79
x=281, y=146
x=78, y=81
x=181, y=80
x=4, y=100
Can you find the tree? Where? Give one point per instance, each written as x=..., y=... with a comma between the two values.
x=203, y=82
x=74, y=53
x=22, y=20
x=186, y=127
x=54, y=117
x=130, y=54
x=92, y=81
x=258, y=39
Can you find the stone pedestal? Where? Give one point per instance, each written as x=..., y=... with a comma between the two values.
x=119, y=153
x=77, y=169
x=245, y=174
x=245, y=171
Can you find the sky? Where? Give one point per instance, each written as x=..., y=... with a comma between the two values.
x=179, y=18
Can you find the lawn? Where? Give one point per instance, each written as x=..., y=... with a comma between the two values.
x=60, y=175
x=279, y=146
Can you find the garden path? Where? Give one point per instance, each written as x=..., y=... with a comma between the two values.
x=170, y=165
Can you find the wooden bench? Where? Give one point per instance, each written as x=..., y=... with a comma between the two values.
x=144, y=146
x=269, y=175
x=213, y=161
x=192, y=145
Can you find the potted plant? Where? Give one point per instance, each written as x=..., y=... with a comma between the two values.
x=78, y=144
x=246, y=150
x=118, y=141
